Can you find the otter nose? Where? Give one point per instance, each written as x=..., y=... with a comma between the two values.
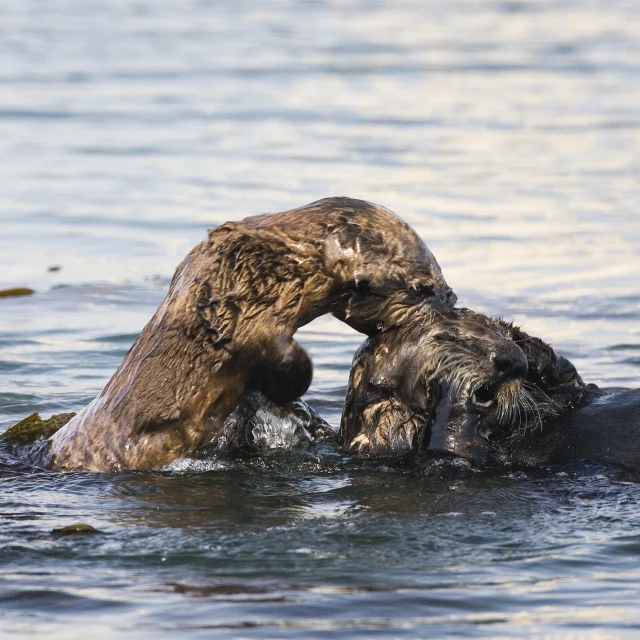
x=510, y=363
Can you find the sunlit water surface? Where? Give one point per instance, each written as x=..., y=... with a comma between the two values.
x=507, y=133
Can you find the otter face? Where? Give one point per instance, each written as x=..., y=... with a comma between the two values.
x=384, y=273
x=481, y=389
x=436, y=384
x=371, y=308
x=461, y=385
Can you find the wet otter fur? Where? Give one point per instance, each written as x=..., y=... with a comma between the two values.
x=461, y=385
x=605, y=428
x=227, y=323
x=405, y=380
x=559, y=419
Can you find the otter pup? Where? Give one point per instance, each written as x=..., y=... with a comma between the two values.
x=227, y=323
x=459, y=385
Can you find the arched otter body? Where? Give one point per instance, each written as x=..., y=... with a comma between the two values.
x=227, y=323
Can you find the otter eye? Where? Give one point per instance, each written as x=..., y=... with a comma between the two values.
x=422, y=289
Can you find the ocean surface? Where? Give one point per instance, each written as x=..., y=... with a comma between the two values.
x=506, y=132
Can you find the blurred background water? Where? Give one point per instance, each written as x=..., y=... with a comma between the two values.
x=506, y=132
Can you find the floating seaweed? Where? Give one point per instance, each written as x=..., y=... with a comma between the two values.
x=74, y=530
x=34, y=428
x=18, y=291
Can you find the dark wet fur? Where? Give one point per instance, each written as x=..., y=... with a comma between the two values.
x=400, y=377
x=227, y=323
x=406, y=397
x=552, y=381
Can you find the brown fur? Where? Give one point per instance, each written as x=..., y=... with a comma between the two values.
x=401, y=377
x=227, y=322
x=412, y=389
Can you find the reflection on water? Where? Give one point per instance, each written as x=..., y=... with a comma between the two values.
x=506, y=132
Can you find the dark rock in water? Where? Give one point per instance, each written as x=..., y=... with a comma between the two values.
x=34, y=428
x=18, y=291
x=74, y=530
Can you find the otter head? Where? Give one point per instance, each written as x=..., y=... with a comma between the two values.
x=463, y=385
x=481, y=382
x=384, y=273
x=441, y=385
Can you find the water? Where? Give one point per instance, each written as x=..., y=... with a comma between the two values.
x=507, y=133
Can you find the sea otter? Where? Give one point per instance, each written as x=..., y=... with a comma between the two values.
x=469, y=387
x=412, y=387
x=227, y=323
x=481, y=389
